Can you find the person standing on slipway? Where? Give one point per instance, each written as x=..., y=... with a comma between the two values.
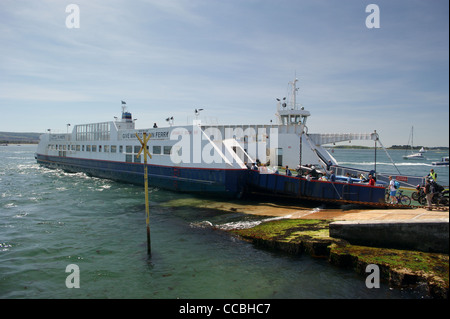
x=428, y=193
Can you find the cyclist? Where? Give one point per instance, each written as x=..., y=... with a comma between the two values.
x=392, y=191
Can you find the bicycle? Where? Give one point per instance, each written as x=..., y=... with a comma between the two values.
x=401, y=198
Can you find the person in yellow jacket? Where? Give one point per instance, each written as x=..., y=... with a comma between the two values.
x=433, y=175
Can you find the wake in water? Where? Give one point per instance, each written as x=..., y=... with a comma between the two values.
x=245, y=224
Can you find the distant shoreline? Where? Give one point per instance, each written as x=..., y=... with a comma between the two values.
x=19, y=138
x=18, y=143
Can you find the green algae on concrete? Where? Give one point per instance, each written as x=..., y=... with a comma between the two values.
x=288, y=230
x=400, y=268
x=294, y=236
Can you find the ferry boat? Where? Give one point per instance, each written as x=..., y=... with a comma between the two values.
x=198, y=158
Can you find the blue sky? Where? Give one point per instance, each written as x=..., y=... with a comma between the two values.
x=232, y=58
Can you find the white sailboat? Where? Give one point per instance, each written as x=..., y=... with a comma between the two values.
x=418, y=155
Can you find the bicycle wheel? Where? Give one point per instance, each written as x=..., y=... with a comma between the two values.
x=422, y=200
x=405, y=200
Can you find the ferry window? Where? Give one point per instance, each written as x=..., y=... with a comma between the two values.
x=88, y=148
x=136, y=149
x=77, y=148
x=113, y=148
x=156, y=149
x=167, y=150
x=99, y=148
x=106, y=149
x=129, y=149
x=128, y=158
x=94, y=148
x=121, y=149
x=136, y=159
x=82, y=148
x=91, y=132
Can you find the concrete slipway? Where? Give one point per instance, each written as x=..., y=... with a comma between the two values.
x=407, y=228
x=413, y=229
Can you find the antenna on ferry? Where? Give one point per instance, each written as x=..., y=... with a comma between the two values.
x=197, y=112
x=294, y=93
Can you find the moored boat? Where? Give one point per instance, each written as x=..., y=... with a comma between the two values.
x=411, y=155
x=444, y=162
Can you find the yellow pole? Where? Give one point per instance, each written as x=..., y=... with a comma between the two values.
x=147, y=213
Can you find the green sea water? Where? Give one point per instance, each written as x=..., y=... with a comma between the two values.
x=50, y=219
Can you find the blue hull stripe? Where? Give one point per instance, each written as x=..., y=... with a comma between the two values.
x=229, y=183
x=224, y=182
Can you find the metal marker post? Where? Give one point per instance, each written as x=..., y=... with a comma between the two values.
x=144, y=148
